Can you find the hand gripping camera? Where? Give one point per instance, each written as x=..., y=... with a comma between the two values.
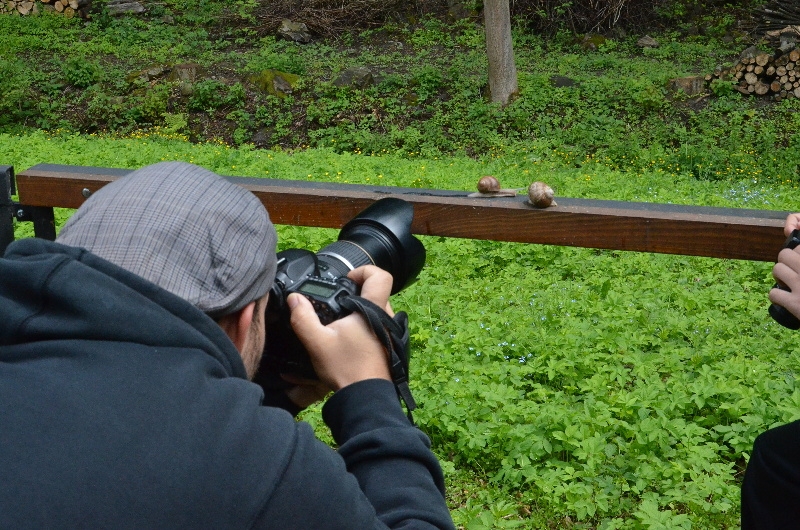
x=782, y=315
x=379, y=235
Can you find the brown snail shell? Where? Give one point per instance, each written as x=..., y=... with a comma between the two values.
x=541, y=195
x=488, y=184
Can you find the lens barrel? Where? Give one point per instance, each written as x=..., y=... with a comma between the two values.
x=379, y=235
x=344, y=256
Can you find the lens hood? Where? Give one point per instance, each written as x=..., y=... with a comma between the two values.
x=383, y=231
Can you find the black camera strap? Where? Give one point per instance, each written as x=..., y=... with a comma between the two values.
x=393, y=334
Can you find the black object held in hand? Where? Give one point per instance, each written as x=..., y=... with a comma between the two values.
x=380, y=235
x=782, y=315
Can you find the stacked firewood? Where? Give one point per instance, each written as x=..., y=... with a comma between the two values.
x=69, y=8
x=764, y=74
x=22, y=7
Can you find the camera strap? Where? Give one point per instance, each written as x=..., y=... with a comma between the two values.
x=393, y=334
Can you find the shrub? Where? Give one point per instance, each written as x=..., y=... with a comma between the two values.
x=103, y=110
x=153, y=104
x=14, y=91
x=276, y=55
x=80, y=72
x=207, y=95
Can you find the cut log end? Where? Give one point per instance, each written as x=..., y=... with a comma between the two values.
x=760, y=74
x=68, y=8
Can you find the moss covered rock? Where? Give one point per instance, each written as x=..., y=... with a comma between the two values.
x=275, y=82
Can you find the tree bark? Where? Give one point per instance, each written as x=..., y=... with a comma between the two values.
x=500, y=52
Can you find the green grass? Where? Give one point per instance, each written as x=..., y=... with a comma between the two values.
x=658, y=178
x=562, y=387
x=427, y=98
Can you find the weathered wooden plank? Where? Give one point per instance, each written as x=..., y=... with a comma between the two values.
x=645, y=227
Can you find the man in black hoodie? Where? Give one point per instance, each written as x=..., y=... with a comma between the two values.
x=126, y=349
x=771, y=484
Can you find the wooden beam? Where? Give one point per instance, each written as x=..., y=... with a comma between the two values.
x=645, y=227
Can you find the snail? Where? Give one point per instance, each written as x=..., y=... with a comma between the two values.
x=489, y=186
x=541, y=195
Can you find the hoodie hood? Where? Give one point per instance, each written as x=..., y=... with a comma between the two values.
x=50, y=291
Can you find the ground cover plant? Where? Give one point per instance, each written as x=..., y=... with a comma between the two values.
x=603, y=98
x=562, y=387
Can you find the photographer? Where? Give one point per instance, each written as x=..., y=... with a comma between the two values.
x=771, y=486
x=126, y=349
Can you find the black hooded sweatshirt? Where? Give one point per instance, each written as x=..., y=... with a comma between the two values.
x=123, y=406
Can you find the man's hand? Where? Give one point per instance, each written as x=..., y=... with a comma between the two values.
x=345, y=351
x=787, y=272
x=792, y=223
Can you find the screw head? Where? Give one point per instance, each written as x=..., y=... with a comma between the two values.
x=86, y=192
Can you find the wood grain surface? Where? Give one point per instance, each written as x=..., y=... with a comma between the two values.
x=645, y=227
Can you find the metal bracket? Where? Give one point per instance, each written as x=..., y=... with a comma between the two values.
x=22, y=213
x=42, y=217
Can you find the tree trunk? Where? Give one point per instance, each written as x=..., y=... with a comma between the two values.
x=500, y=51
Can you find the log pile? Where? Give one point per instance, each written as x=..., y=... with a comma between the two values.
x=69, y=8
x=21, y=7
x=759, y=73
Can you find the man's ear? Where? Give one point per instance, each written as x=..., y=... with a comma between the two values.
x=237, y=325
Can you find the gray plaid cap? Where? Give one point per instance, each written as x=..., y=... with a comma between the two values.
x=184, y=228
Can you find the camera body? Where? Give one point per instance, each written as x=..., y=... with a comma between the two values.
x=380, y=235
x=300, y=271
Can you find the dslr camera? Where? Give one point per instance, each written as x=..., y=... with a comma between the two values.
x=380, y=235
